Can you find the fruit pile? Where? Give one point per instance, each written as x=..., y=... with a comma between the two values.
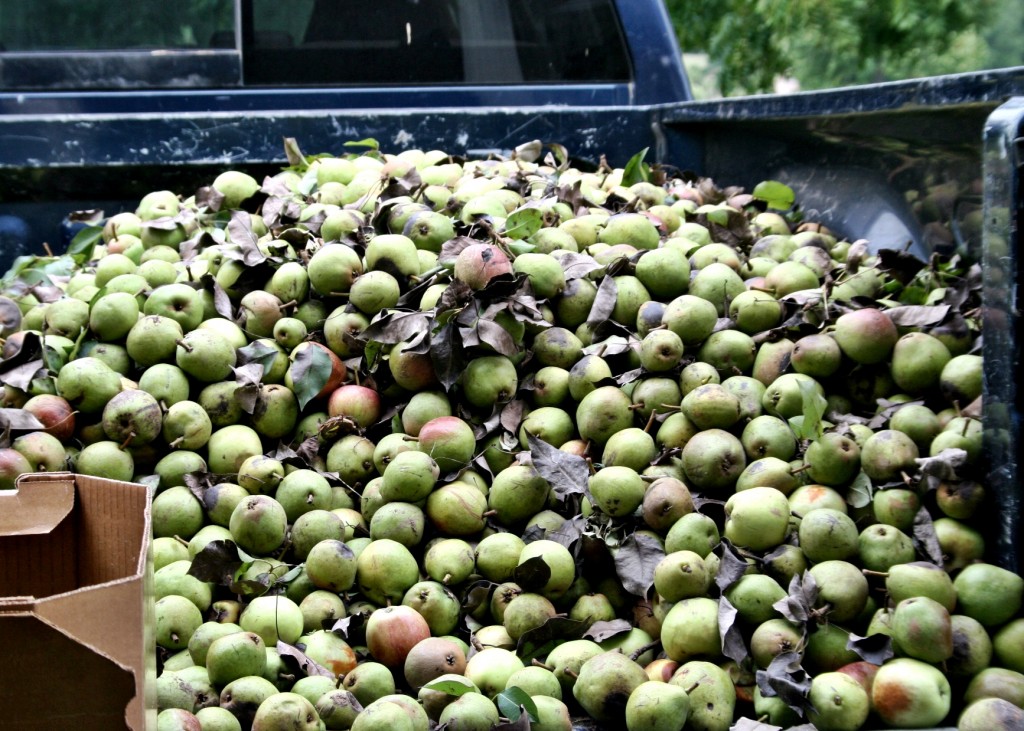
x=504, y=443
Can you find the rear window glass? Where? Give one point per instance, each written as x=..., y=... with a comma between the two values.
x=100, y=25
x=333, y=42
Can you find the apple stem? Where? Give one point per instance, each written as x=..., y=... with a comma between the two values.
x=693, y=687
x=671, y=407
x=539, y=664
x=635, y=407
x=185, y=346
x=427, y=274
x=284, y=306
x=490, y=513
x=798, y=470
x=571, y=673
x=127, y=441
x=181, y=540
x=651, y=420
x=870, y=572
x=641, y=650
x=47, y=249
x=176, y=443
x=446, y=578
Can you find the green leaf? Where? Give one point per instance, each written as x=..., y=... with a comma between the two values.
x=368, y=142
x=510, y=700
x=308, y=182
x=256, y=352
x=310, y=372
x=524, y=223
x=62, y=266
x=294, y=155
x=860, y=492
x=451, y=687
x=81, y=247
x=561, y=154
x=21, y=264
x=912, y=295
x=636, y=170
x=521, y=247
x=809, y=424
x=777, y=195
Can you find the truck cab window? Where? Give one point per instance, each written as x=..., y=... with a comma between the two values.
x=432, y=41
x=44, y=26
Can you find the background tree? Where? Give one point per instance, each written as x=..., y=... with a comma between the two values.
x=840, y=42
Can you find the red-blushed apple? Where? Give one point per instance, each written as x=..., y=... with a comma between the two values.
x=54, y=413
x=391, y=632
x=478, y=264
x=361, y=404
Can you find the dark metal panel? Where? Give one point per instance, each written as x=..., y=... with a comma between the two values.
x=978, y=87
x=1003, y=219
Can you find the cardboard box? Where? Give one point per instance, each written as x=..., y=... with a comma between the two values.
x=76, y=605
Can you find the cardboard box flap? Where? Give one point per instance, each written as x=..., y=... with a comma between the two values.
x=85, y=616
x=36, y=506
x=58, y=683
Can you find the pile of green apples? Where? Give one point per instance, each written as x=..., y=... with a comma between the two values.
x=509, y=443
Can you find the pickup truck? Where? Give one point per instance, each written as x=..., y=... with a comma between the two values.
x=931, y=164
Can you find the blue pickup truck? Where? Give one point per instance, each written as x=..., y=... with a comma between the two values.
x=100, y=104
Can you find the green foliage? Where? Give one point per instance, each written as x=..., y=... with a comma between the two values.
x=846, y=41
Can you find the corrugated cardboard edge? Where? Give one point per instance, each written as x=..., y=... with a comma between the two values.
x=84, y=614
x=38, y=504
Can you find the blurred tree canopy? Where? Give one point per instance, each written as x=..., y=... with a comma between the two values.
x=826, y=43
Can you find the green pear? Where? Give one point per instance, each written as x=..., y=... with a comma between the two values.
x=657, y=706
x=991, y=714
x=990, y=594
x=866, y=336
x=842, y=588
x=691, y=629
x=920, y=578
x=882, y=546
x=837, y=702
x=470, y=712
x=909, y=693
x=995, y=682
x=922, y=629
x=757, y=518
x=680, y=575
x=235, y=655
x=753, y=596
x=711, y=692
x=605, y=684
